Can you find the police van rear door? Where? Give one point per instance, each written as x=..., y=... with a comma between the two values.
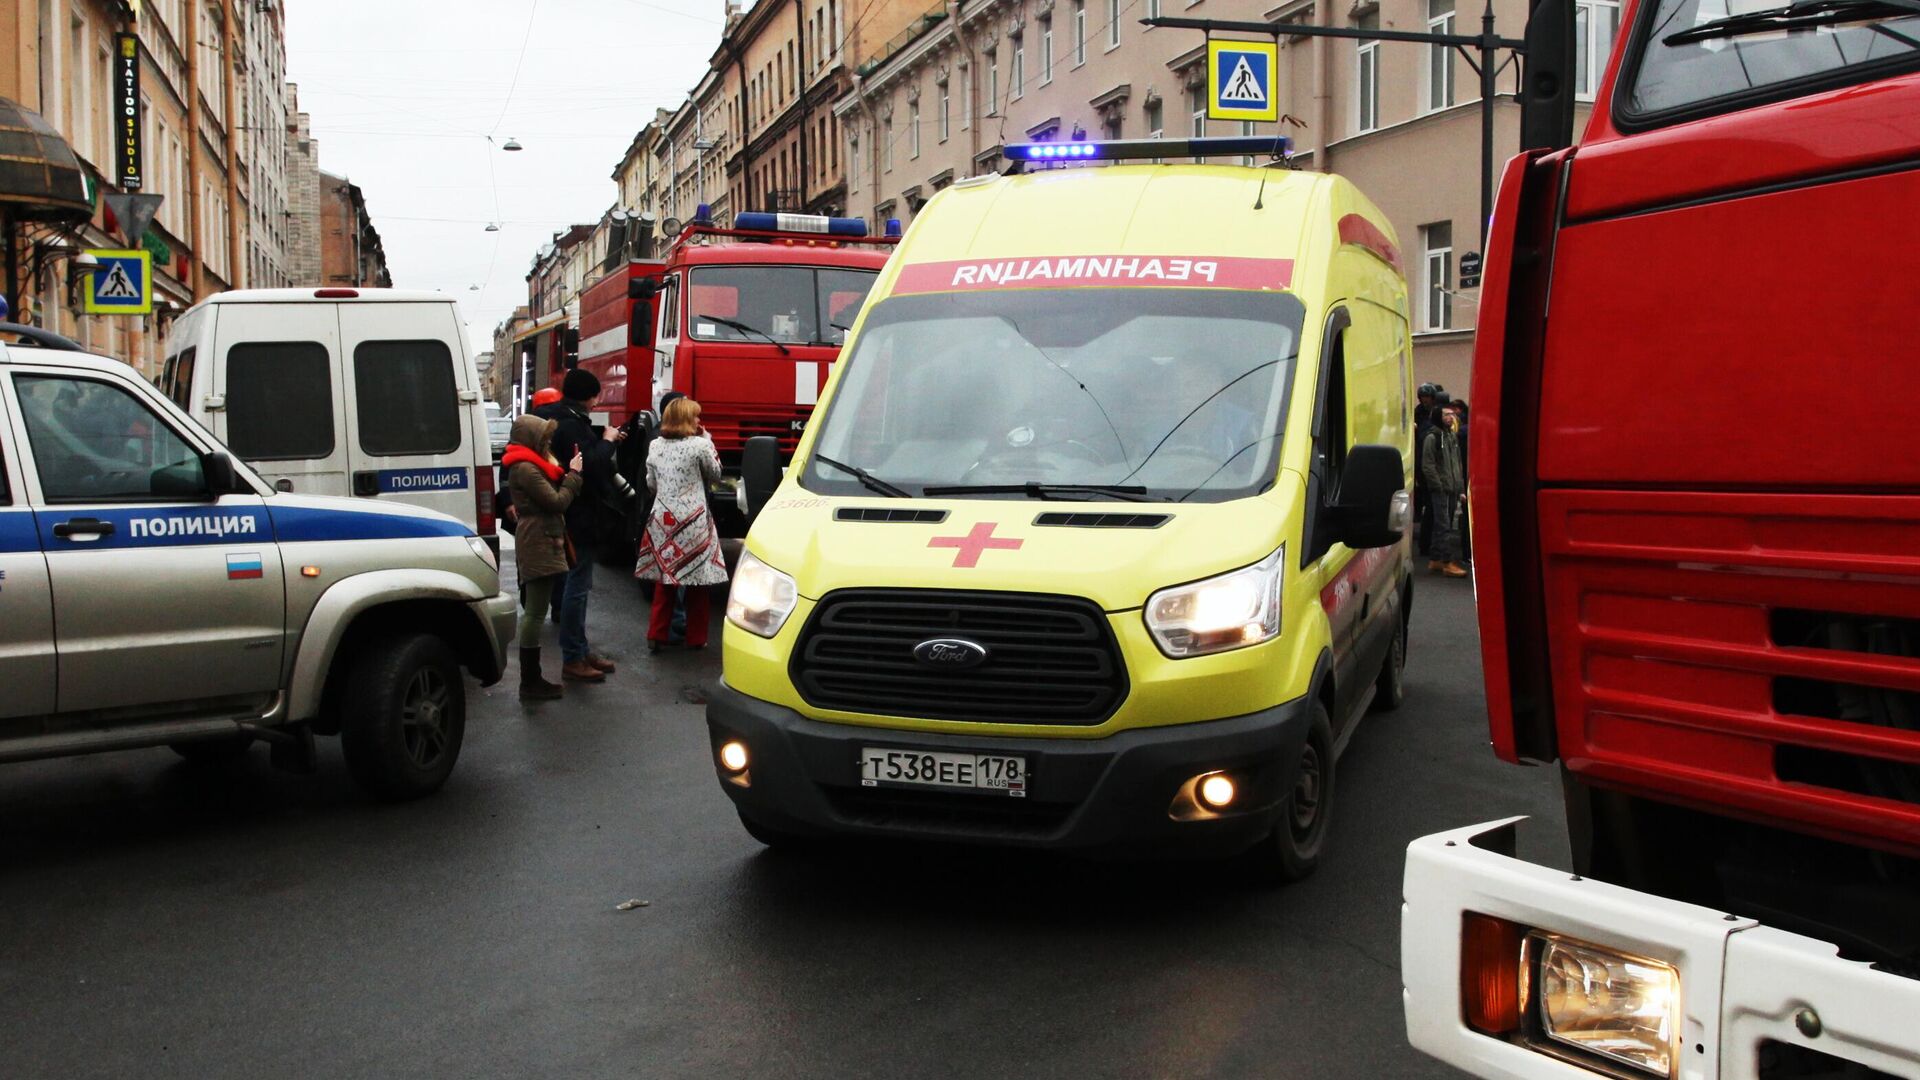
x=413, y=422
x=277, y=375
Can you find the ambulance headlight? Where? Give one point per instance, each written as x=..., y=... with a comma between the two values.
x=761, y=597
x=1231, y=611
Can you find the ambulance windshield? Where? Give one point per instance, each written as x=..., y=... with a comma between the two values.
x=1162, y=394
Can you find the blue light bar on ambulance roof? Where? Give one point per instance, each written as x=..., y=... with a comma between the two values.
x=1276, y=146
x=800, y=223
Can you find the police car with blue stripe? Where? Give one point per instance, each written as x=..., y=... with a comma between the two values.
x=154, y=591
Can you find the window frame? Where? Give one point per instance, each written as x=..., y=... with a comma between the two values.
x=1113, y=24
x=1046, y=49
x=359, y=414
x=1440, y=65
x=1444, y=287
x=1366, y=76
x=158, y=416
x=1079, y=32
x=333, y=444
x=1583, y=47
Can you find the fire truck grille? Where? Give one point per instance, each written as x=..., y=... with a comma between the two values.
x=1050, y=659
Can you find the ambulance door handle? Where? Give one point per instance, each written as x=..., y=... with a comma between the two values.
x=83, y=529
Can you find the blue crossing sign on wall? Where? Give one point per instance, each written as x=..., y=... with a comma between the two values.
x=121, y=285
x=1240, y=80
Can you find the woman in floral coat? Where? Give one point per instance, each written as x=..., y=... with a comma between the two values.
x=681, y=546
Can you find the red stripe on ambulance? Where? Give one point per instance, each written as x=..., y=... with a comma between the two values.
x=1081, y=271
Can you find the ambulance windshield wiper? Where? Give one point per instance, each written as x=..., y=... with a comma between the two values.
x=745, y=329
x=1035, y=490
x=1799, y=15
x=872, y=482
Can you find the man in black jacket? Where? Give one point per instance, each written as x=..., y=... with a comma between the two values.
x=580, y=392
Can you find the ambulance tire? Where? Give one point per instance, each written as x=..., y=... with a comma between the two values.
x=404, y=716
x=1391, y=688
x=1292, y=851
x=221, y=753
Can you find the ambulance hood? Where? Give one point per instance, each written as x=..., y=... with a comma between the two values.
x=1113, y=553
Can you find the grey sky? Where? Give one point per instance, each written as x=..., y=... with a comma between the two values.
x=404, y=92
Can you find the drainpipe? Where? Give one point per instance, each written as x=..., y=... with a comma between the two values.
x=235, y=247
x=1322, y=84
x=746, y=120
x=800, y=80
x=968, y=106
x=194, y=207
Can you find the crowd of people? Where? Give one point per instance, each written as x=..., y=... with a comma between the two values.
x=557, y=464
x=1440, y=480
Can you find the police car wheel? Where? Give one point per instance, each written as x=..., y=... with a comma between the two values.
x=405, y=714
x=1292, y=850
x=227, y=750
x=1391, y=688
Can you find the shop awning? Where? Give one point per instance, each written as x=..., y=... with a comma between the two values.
x=40, y=178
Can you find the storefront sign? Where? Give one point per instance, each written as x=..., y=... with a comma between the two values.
x=126, y=112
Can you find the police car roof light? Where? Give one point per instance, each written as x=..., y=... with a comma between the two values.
x=753, y=221
x=1277, y=146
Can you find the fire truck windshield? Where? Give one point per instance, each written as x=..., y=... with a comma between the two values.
x=1129, y=393
x=789, y=305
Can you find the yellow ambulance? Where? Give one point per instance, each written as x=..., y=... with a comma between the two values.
x=1095, y=540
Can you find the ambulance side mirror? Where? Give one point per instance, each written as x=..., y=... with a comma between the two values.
x=1373, y=506
x=759, y=472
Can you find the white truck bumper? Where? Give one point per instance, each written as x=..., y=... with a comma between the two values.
x=1742, y=984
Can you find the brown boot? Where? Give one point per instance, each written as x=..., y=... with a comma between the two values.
x=601, y=663
x=1435, y=566
x=581, y=671
x=533, y=685
x=1454, y=569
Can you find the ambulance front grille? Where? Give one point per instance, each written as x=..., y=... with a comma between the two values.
x=1050, y=659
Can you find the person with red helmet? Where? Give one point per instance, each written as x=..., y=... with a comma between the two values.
x=545, y=396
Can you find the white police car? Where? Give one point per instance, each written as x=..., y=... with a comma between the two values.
x=154, y=591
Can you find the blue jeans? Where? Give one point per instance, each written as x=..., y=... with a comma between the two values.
x=573, y=605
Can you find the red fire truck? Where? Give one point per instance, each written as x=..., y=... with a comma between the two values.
x=1696, y=521
x=746, y=320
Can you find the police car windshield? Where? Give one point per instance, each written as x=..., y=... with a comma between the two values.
x=1171, y=394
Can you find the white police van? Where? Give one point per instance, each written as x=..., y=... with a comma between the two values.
x=337, y=391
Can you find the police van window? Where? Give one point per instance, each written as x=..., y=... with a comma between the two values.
x=1690, y=55
x=93, y=441
x=279, y=400
x=178, y=384
x=1176, y=392
x=406, y=401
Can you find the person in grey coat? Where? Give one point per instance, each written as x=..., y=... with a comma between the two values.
x=1443, y=466
x=542, y=490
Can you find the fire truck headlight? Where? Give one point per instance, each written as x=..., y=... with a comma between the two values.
x=1231, y=611
x=1618, y=1007
x=761, y=597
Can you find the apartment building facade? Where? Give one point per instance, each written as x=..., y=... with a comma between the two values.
x=1401, y=120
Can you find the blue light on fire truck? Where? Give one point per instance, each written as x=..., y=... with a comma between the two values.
x=804, y=223
x=702, y=215
x=893, y=226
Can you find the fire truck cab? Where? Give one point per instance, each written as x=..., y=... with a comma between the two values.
x=746, y=320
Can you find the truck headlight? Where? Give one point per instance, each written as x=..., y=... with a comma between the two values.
x=1619, y=1007
x=1231, y=611
x=761, y=597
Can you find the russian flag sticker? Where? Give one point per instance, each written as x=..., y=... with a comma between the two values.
x=244, y=565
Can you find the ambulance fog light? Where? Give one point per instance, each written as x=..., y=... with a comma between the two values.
x=1217, y=791
x=733, y=756
x=760, y=598
x=1622, y=1008
x=1231, y=611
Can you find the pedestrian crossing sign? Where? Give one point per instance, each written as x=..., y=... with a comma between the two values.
x=1240, y=78
x=121, y=285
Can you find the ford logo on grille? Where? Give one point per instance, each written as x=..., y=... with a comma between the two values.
x=954, y=653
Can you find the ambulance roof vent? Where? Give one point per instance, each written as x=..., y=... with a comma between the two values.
x=1104, y=521
x=889, y=514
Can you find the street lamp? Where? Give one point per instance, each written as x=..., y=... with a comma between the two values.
x=493, y=226
x=512, y=145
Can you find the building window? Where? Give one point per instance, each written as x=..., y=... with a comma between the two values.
x=993, y=84
x=1079, y=32
x=1046, y=50
x=913, y=128
x=1197, y=111
x=1439, y=57
x=1156, y=125
x=1113, y=24
x=853, y=162
x=945, y=121
x=1595, y=22
x=1153, y=9
x=1367, y=75
x=1017, y=74
x=1437, y=239
x=886, y=144
x=1110, y=127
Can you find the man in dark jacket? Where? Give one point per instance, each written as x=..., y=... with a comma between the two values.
x=580, y=392
x=1426, y=415
x=1446, y=476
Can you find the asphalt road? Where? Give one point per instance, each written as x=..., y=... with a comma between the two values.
x=157, y=921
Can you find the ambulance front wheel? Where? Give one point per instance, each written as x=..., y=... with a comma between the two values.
x=1292, y=850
